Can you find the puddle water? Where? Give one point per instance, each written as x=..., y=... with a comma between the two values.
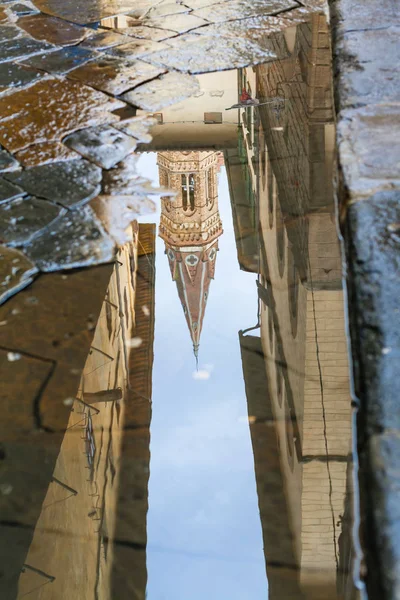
x=191, y=431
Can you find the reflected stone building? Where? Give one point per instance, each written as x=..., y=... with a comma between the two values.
x=90, y=538
x=190, y=227
x=286, y=234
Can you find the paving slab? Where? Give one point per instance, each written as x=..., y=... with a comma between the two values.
x=22, y=9
x=164, y=91
x=45, y=152
x=115, y=75
x=192, y=53
x=180, y=23
x=22, y=47
x=69, y=183
x=138, y=127
x=137, y=48
x=23, y=219
x=16, y=272
x=104, y=40
x=53, y=30
x=9, y=191
x=103, y=145
x=61, y=61
x=147, y=33
x=91, y=11
x=3, y=15
x=76, y=240
x=7, y=161
x=239, y=9
x=14, y=75
x=9, y=32
x=49, y=110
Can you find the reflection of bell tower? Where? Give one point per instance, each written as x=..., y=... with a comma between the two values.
x=190, y=227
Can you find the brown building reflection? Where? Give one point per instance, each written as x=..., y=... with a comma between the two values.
x=296, y=370
x=90, y=538
x=190, y=227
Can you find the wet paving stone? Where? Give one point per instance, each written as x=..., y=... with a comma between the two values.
x=166, y=9
x=239, y=9
x=9, y=191
x=61, y=61
x=16, y=272
x=7, y=162
x=9, y=32
x=104, y=145
x=118, y=212
x=159, y=93
x=147, y=33
x=49, y=110
x=115, y=75
x=3, y=15
x=22, y=9
x=200, y=54
x=24, y=218
x=90, y=11
x=53, y=30
x=69, y=183
x=138, y=127
x=77, y=239
x=104, y=40
x=137, y=49
x=180, y=23
x=22, y=47
x=45, y=152
x=13, y=75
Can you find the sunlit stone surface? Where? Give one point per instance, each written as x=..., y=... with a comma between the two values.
x=16, y=272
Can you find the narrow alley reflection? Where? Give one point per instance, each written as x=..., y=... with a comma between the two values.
x=249, y=489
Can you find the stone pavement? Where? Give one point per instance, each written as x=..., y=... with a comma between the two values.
x=78, y=84
x=366, y=64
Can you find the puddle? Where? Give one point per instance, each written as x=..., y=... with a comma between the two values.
x=177, y=418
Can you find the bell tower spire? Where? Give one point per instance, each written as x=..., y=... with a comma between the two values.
x=190, y=227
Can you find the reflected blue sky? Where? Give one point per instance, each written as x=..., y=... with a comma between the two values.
x=204, y=531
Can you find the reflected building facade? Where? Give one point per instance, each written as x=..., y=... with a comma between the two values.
x=190, y=227
x=90, y=538
x=286, y=234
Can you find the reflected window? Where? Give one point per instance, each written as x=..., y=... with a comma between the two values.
x=191, y=191
x=184, y=185
x=289, y=435
x=293, y=291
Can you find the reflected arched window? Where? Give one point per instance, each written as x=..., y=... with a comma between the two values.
x=184, y=191
x=191, y=191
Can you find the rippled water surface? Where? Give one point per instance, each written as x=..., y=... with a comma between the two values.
x=177, y=418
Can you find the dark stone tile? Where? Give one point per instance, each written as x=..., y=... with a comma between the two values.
x=52, y=30
x=20, y=48
x=7, y=162
x=75, y=240
x=104, y=145
x=69, y=183
x=137, y=48
x=24, y=218
x=8, y=32
x=13, y=75
x=9, y=191
x=16, y=272
x=372, y=236
x=45, y=152
x=164, y=91
x=61, y=61
x=22, y=9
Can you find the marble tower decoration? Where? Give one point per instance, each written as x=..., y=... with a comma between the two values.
x=190, y=227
